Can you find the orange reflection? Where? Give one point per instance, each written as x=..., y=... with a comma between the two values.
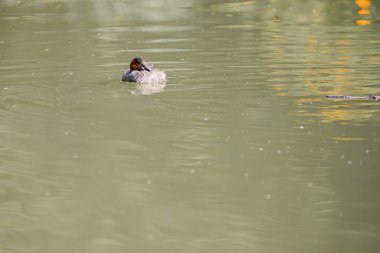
x=364, y=12
x=363, y=22
x=344, y=114
x=364, y=6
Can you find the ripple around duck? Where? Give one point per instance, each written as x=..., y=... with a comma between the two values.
x=169, y=40
x=168, y=50
x=172, y=28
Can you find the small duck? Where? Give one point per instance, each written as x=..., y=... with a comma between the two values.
x=144, y=73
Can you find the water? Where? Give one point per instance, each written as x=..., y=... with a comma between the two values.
x=239, y=152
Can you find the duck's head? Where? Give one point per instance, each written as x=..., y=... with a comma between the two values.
x=138, y=64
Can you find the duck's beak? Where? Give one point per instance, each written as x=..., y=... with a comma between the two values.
x=145, y=67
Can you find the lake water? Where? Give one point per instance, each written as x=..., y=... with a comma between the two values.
x=239, y=153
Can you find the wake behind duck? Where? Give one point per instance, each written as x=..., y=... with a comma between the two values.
x=345, y=97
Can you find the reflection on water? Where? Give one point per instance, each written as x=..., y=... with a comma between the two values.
x=364, y=11
x=240, y=152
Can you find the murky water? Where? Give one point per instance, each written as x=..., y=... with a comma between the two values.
x=239, y=153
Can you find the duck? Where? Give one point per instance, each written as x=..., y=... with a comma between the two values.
x=143, y=72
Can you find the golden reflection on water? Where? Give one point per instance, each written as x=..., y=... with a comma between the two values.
x=339, y=85
x=364, y=6
x=341, y=71
x=342, y=113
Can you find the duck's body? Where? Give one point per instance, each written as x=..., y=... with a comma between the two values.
x=144, y=73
